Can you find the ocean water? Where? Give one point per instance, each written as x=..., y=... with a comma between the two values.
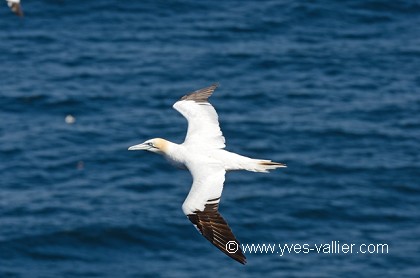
x=329, y=87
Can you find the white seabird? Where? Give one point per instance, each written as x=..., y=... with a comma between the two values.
x=203, y=154
x=15, y=6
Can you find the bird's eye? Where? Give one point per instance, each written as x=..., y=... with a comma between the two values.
x=150, y=144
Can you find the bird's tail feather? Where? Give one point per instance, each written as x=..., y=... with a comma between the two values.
x=264, y=166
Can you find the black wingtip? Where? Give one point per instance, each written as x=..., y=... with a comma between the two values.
x=16, y=9
x=215, y=229
x=201, y=95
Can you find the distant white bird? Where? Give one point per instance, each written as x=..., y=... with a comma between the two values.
x=70, y=119
x=15, y=6
x=203, y=155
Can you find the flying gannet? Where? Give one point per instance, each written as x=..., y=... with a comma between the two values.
x=15, y=6
x=203, y=154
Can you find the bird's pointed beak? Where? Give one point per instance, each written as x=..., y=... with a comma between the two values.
x=138, y=147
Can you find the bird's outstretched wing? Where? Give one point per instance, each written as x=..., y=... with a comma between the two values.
x=203, y=124
x=15, y=6
x=201, y=207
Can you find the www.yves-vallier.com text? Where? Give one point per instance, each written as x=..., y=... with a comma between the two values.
x=332, y=247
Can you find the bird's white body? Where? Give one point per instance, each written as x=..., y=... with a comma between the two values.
x=183, y=155
x=203, y=154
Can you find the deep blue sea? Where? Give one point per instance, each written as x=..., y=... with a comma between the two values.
x=331, y=88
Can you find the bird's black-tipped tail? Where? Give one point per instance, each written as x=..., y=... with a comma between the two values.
x=267, y=165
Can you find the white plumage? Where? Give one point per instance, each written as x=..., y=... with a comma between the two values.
x=203, y=125
x=203, y=154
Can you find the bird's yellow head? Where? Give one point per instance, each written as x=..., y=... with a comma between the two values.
x=156, y=145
